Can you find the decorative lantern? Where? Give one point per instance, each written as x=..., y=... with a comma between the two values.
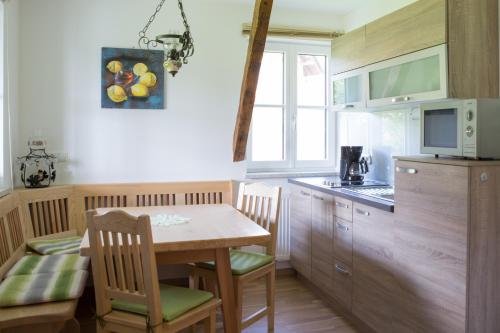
x=37, y=168
x=178, y=47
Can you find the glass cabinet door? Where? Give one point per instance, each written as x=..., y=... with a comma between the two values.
x=414, y=77
x=347, y=91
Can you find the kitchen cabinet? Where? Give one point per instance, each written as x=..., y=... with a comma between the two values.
x=348, y=91
x=431, y=242
x=300, y=230
x=419, y=76
x=426, y=24
x=374, y=284
x=413, y=28
x=349, y=52
x=432, y=266
x=322, y=241
x=447, y=245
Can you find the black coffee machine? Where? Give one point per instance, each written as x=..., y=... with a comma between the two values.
x=352, y=165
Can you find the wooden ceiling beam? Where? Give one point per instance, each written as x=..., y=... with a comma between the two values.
x=256, y=46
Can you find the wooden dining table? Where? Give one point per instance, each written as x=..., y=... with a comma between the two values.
x=208, y=235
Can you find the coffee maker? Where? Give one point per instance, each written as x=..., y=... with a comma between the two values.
x=352, y=165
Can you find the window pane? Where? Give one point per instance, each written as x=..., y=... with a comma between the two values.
x=267, y=134
x=311, y=80
x=409, y=78
x=270, y=86
x=311, y=134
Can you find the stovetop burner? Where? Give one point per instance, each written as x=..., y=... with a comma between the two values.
x=338, y=183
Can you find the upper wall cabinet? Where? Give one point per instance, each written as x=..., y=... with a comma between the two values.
x=467, y=28
x=348, y=91
x=412, y=28
x=348, y=51
x=414, y=77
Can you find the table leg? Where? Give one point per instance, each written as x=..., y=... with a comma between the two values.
x=225, y=279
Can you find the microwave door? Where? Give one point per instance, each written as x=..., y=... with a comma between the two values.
x=441, y=129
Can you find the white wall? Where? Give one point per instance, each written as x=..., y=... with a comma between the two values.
x=371, y=11
x=59, y=89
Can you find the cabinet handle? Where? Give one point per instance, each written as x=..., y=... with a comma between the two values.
x=341, y=270
x=318, y=197
x=341, y=205
x=362, y=212
x=348, y=106
x=401, y=99
x=406, y=170
x=305, y=193
x=342, y=227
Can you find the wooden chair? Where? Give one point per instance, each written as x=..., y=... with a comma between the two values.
x=129, y=297
x=260, y=203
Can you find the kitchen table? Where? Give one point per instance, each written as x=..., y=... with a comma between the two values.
x=208, y=235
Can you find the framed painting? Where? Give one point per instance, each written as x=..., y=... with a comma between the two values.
x=132, y=79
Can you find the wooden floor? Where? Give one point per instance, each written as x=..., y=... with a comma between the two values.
x=298, y=310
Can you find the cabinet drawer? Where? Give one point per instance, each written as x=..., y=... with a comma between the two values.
x=342, y=243
x=342, y=208
x=342, y=283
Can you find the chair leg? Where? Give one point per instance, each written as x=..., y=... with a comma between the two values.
x=270, y=294
x=194, y=281
x=209, y=324
x=238, y=295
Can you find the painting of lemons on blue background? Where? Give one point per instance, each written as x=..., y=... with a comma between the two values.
x=132, y=79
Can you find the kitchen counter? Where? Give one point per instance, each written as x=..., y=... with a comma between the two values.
x=315, y=183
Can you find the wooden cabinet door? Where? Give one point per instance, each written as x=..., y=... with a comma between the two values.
x=373, y=267
x=412, y=28
x=300, y=230
x=322, y=241
x=349, y=52
x=432, y=209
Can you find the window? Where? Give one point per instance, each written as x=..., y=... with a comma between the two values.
x=291, y=125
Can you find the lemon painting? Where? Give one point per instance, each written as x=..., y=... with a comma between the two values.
x=132, y=79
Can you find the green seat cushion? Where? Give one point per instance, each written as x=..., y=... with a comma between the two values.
x=33, y=264
x=65, y=245
x=242, y=262
x=175, y=301
x=42, y=288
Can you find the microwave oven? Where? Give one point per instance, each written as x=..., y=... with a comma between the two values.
x=463, y=128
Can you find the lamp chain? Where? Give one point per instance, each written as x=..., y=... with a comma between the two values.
x=142, y=33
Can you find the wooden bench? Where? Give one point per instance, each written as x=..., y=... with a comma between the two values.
x=59, y=211
x=46, y=317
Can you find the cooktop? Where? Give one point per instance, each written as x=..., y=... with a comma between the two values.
x=336, y=182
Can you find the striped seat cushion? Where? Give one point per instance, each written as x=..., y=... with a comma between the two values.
x=242, y=262
x=66, y=245
x=49, y=264
x=42, y=288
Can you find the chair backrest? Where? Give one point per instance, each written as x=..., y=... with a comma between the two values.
x=261, y=203
x=123, y=262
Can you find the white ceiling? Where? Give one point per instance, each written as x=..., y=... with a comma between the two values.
x=338, y=7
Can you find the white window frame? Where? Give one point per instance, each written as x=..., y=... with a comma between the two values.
x=290, y=163
x=6, y=182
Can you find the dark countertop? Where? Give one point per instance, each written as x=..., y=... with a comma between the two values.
x=315, y=183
